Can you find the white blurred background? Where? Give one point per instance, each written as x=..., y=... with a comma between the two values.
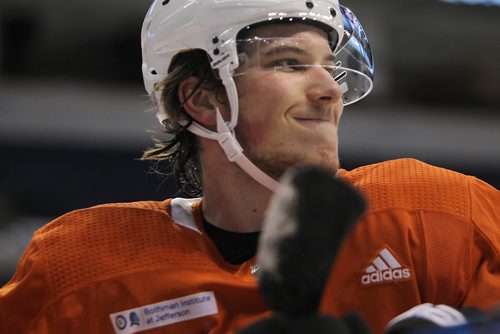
x=74, y=120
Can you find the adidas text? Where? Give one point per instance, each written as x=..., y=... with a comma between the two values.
x=386, y=275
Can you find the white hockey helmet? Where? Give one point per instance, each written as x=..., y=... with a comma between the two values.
x=174, y=26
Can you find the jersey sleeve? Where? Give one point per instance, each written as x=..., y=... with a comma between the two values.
x=484, y=289
x=24, y=297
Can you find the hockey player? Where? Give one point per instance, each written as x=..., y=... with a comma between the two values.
x=248, y=89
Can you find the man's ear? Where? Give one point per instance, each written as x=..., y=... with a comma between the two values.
x=201, y=104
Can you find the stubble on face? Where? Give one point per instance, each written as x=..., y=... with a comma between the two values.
x=276, y=164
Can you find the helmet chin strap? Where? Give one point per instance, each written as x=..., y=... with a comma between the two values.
x=225, y=134
x=233, y=150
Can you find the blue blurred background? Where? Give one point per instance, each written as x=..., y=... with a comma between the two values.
x=74, y=116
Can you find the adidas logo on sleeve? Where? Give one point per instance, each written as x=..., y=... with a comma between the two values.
x=385, y=268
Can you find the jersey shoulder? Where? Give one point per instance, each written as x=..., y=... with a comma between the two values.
x=106, y=217
x=411, y=184
x=89, y=245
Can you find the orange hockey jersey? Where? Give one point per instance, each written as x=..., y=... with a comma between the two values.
x=430, y=235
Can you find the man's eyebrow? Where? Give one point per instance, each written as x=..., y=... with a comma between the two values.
x=294, y=49
x=285, y=48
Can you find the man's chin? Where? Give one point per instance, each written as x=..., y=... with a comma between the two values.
x=276, y=167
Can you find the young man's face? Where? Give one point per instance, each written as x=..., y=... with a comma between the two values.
x=288, y=115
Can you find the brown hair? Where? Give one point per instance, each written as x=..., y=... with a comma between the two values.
x=180, y=149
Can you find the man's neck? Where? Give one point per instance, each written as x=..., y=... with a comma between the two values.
x=232, y=200
x=236, y=207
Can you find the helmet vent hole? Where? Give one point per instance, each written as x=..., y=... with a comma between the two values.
x=165, y=2
x=333, y=12
x=309, y=4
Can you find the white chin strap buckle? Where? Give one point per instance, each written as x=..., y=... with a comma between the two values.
x=226, y=139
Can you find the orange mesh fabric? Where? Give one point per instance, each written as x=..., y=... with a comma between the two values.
x=410, y=184
x=89, y=245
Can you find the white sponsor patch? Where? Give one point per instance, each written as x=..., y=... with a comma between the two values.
x=164, y=313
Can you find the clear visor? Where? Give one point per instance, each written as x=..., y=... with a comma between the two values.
x=296, y=58
x=354, y=51
x=310, y=55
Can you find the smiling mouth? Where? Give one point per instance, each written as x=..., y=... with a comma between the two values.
x=313, y=121
x=319, y=120
x=316, y=125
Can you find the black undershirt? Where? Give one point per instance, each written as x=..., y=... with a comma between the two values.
x=235, y=247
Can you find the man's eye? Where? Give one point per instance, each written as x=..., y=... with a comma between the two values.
x=287, y=63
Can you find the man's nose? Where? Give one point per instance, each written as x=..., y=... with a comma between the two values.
x=322, y=88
